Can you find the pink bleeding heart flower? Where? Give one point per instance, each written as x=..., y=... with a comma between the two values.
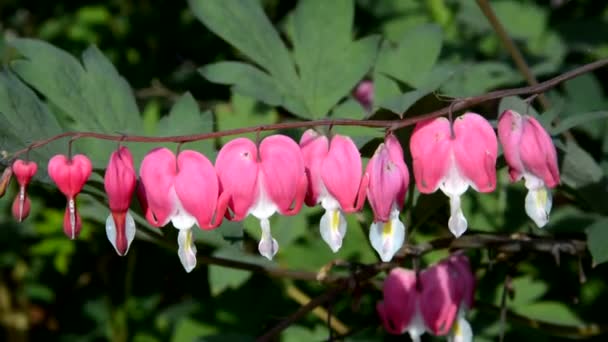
x=261, y=181
x=388, y=182
x=400, y=309
x=439, y=298
x=119, y=182
x=364, y=94
x=335, y=181
x=24, y=172
x=184, y=191
x=70, y=175
x=530, y=154
x=462, y=280
x=453, y=162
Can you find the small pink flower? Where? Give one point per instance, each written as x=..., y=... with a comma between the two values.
x=530, y=154
x=388, y=182
x=453, y=163
x=24, y=172
x=334, y=180
x=70, y=175
x=119, y=182
x=183, y=190
x=399, y=310
x=261, y=181
x=364, y=94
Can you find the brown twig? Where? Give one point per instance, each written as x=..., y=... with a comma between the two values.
x=458, y=104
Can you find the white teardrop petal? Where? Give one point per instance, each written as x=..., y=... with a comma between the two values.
x=111, y=231
x=387, y=237
x=461, y=331
x=130, y=230
x=333, y=228
x=457, y=222
x=187, y=249
x=538, y=205
x=268, y=246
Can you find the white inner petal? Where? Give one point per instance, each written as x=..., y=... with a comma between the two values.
x=129, y=231
x=181, y=219
x=461, y=330
x=533, y=182
x=72, y=213
x=416, y=327
x=263, y=207
x=454, y=183
x=457, y=222
x=111, y=231
x=333, y=228
x=387, y=237
x=538, y=205
x=187, y=249
x=268, y=246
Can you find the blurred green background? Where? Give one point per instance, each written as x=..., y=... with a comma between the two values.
x=55, y=289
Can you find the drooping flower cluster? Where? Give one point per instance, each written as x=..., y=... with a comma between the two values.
x=434, y=301
x=279, y=175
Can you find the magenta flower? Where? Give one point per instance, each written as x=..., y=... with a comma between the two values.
x=119, y=183
x=183, y=190
x=530, y=154
x=435, y=302
x=261, y=181
x=334, y=180
x=399, y=311
x=24, y=172
x=70, y=175
x=388, y=182
x=453, y=162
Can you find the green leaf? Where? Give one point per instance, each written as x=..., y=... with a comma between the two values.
x=297, y=333
x=527, y=291
x=232, y=337
x=92, y=94
x=475, y=79
x=247, y=80
x=243, y=111
x=579, y=168
x=188, y=329
x=413, y=57
x=244, y=25
x=553, y=312
x=399, y=104
x=521, y=20
x=186, y=118
x=329, y=63
x=579, y=119
x=20, y=111
x=222, y=278
x=597, y=240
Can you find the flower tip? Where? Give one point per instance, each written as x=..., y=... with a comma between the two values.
x=538, y=205
x=333, y=229
x=186, y=250
x=387, y=238
x=457, y=224
x=120, y=230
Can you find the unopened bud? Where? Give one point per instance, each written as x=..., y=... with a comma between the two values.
x=5, y=180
